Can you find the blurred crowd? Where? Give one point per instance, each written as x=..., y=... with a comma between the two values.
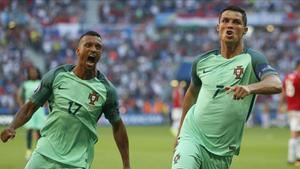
x=139, y=11
x=140, y=58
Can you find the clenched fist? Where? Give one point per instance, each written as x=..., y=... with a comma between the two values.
x=239, y=92
x=8, y=133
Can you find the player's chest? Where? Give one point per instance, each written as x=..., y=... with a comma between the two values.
x=224, y=72
x=75, y=94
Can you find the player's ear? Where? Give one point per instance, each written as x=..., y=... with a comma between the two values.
x=77, y=52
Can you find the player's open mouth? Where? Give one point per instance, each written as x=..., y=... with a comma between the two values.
x=91, y=59
x=229, y=32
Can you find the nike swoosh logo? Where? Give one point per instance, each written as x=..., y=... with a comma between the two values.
x=61, y=88
x=206, y=71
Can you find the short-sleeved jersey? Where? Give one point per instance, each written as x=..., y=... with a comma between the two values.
x=28, y=88
x=216, y=120
x=75, y=107
x=38, y=118
x=291, y=87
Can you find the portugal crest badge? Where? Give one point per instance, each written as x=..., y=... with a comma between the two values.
x=238, y=72
x=93, y=96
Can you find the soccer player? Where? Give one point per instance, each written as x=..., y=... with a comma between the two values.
x=37, y=120
x=77, y=96
x=291, y=96
x=220, y=97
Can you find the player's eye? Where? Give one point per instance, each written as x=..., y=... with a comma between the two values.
x=98, y=47
x=225, y=20
x=237, y=21
x=88, y=45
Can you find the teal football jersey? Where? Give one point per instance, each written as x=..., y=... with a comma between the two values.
x=216, y=120
x=38, y=118
x=75, y=108
x=28, y=88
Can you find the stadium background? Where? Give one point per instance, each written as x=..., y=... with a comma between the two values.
x=148, y=43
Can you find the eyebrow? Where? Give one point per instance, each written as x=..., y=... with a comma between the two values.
x=231, y=18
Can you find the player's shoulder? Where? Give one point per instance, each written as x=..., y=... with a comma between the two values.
x=61, y=68
x=64, y=68
x=206, y=54
x=103, y=79
x=52, y=74
x=254, y=53
x=111, y=90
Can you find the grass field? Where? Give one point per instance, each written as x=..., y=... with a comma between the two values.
x=151, y=148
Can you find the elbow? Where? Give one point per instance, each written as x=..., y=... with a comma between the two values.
x=278, y=87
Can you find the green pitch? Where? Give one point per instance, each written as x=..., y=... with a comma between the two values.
x=151, y=148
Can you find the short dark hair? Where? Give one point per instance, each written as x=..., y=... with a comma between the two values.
x=237, y=9
x=90, y=33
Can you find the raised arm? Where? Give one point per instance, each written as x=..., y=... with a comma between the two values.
x=22, y=116
x=121, y=139
x=270, y=84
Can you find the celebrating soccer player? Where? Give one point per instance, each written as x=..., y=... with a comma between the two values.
x=77, y=96
x=220, y=97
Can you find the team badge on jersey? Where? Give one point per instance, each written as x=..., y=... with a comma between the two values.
x=93, y=98
x=238, y=72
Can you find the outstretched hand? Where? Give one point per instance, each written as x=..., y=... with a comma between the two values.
x=239, y=92
x=8, y=133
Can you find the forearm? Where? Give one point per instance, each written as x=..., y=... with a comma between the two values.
x=269, y=85
x=23, y=115
x=121, y=139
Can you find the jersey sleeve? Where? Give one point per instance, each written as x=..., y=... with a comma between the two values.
x=44, y=90
x=261, y=66
x=111, y=107
x=195, y=78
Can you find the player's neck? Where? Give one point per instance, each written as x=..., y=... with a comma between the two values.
x=229, y=50
x=84, y=74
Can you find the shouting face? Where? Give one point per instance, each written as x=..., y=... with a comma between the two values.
x=89, y=51
x=231, y=27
